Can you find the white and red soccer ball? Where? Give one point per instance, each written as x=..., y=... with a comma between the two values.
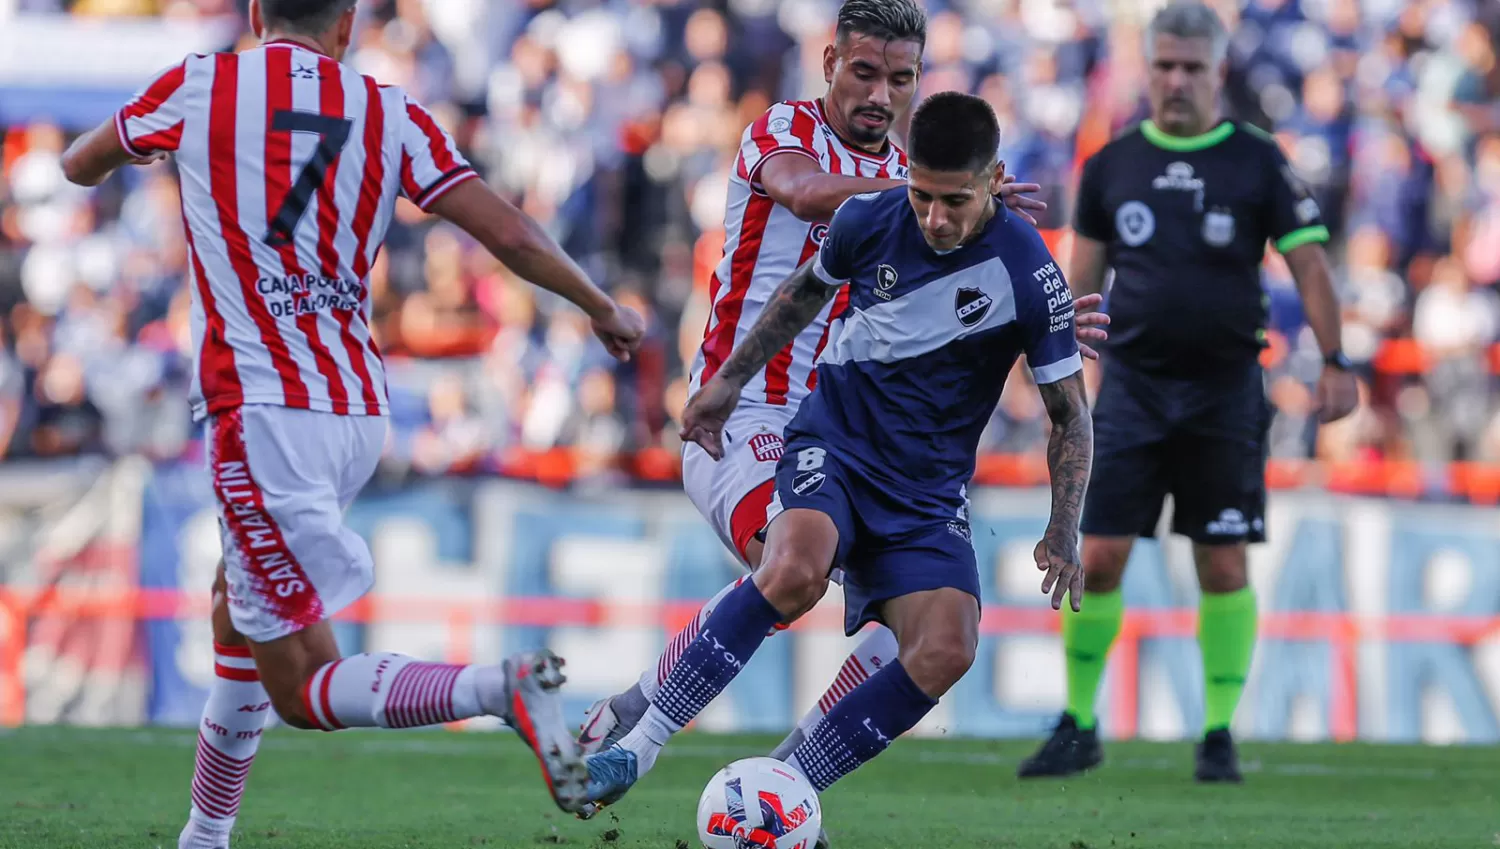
x=759, y=803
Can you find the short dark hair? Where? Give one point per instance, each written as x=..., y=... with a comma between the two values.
x=953, y=131
x=311, y=17
x=887, y=20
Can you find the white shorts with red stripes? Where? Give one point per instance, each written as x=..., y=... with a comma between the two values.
x=282, y=479
x=733, y=493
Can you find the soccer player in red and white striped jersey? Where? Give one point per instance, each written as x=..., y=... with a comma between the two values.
x=291, y=165
x=796, y=164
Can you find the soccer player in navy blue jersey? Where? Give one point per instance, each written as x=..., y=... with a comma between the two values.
x=946, y=290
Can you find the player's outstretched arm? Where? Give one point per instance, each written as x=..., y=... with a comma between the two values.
x=97, y=153
x=801, y=185
x=1070, y=454
x=518, y=241
x=797, y=301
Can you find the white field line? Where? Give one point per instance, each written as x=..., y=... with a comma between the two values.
x=706, y=747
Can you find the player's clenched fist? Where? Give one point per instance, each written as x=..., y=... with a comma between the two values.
x=1058, y=557
x=706, y=412
x=620, y=331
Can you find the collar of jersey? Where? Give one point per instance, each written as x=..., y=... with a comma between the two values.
x=851, y=147
x=1185, y=144
x=287, y=42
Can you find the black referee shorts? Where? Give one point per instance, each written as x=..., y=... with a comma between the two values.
x=1202, y=440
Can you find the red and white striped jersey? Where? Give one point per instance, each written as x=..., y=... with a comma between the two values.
x=764, y=243
x=290, y=164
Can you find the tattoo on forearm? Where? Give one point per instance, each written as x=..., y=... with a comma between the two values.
x=1070, y=450
x=794, y=305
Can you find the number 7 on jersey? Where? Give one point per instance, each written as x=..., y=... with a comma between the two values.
x=332, y=134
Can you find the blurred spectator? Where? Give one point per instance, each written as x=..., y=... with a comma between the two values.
x=615, y=125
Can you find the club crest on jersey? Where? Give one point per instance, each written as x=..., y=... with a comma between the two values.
x=808, y=482
x=885, y=281
x=971, y=306
x=1218, y=227
x=1135, y=223
x=818, y=234
x=767, y=447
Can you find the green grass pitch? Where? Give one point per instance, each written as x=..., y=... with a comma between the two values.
x=63, y=788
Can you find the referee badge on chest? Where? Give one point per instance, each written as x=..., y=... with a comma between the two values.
x=1135, y=223
x=1218, y=227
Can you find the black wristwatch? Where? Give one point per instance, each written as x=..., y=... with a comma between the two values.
x=1338, y=360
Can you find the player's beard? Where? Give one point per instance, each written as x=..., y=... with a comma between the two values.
x=862, y=133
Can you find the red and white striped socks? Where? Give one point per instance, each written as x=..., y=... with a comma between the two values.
x=395, y=691
x=228, y=736
x=874, y=652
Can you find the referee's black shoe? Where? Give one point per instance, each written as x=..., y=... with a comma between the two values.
x=1218, y=762
x=1069, y=751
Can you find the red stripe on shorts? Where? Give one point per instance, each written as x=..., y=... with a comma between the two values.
x=749, y=516
x=276, y=577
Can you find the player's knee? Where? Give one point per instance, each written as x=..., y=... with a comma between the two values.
x=937, y=662
x=793, y=584
x=1104, y=561
x=1221, y=568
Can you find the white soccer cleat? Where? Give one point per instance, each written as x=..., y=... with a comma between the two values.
x=597, y=732
x=534, y=710
x=198, y=838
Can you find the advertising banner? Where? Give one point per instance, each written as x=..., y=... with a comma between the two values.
x=1380, y=619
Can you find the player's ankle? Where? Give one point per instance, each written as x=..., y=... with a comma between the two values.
x=203, y=832
x=494, y=698
x=648, y=737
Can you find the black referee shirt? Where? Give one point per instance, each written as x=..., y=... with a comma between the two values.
x=1186, y=221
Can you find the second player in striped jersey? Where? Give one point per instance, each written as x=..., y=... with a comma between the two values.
x=796, y=164
x=291, y=165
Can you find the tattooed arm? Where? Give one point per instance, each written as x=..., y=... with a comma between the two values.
x=795, y=304
x=1070, y=453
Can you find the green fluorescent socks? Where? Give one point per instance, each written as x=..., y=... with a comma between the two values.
x=1087, y=636
x=1226, y=637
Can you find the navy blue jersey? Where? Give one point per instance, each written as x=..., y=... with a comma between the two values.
x=919, y=355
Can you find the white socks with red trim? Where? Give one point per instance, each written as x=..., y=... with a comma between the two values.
x=396, y=691
x=228, y=736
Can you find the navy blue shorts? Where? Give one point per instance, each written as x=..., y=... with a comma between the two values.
x=1202, y=440
x=890, y=544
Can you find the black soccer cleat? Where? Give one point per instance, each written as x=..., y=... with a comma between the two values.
x=1069, y=751
x=1218, y=762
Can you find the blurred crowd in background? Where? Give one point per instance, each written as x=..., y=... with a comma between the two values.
x=614, y=122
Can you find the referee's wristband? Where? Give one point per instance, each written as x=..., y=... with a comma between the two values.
x=1337, y=359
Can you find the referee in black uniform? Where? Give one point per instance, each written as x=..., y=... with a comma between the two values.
x=1182, y=208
